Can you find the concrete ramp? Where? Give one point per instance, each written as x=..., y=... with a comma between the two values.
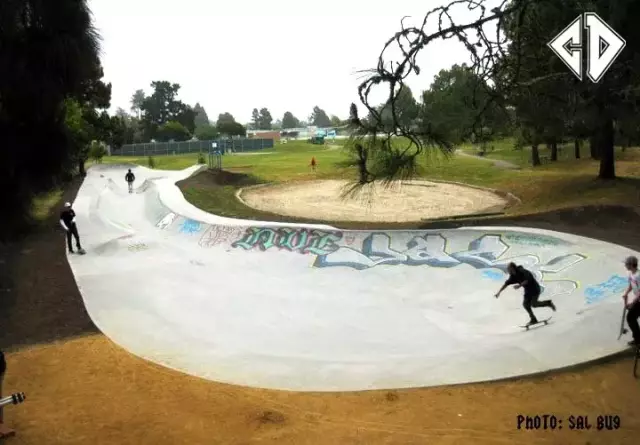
x=314, y=308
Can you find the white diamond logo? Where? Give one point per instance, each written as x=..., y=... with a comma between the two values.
x=603, y=46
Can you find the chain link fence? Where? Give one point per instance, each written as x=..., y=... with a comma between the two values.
x=178, y=148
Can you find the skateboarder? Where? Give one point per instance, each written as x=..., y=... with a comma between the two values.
x=130, y=177
x=521, y=277
x=633, y=304
x=68, y=223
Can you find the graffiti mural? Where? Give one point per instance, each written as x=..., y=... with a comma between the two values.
x=166, y=221
x=305, y=241
x=216, y=235
x=531, y=239
x=616, y=284
x=190, y=226
x=485, y=252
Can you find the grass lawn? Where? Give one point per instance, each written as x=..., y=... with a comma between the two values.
x=566, y=183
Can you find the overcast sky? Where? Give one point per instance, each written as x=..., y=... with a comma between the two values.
x=235, y=56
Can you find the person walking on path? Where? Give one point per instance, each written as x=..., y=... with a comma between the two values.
x=68, y=223
x=633, y=304
x=130, y=177
x=521, y=277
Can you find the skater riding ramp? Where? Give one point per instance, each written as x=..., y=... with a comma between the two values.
x=314, y=308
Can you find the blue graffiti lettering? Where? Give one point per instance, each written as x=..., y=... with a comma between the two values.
x=598, y=292
x=493, y=275
x=190, y=226
x=485, y=252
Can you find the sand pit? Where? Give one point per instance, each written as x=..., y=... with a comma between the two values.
x=407, y=201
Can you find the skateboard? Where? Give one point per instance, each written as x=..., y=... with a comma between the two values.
x=623, y=330
x=545, y=322
x=80, y=252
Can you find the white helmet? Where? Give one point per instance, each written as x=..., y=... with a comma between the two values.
x=67, y=204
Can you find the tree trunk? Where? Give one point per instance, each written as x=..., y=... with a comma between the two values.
x=576, y=147
x=554, y=151
x=607, y=149
x=594, y=146
x=81, y=170
x=535, y=155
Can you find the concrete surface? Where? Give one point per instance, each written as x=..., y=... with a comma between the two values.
x=295, y=307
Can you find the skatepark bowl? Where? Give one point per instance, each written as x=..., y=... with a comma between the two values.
x=315, y=308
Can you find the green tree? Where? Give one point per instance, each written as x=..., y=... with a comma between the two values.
x=455, y=106
x=163, y=106
x=319, y=118
x=255, y=119
x=97, y=151
x=227, y=126
x=207, y=133
x=405, y=109
x=137, y=100
x=173, y=131
x=201, y=117
x=335, y=121
x=290, y=121
x=265, y=119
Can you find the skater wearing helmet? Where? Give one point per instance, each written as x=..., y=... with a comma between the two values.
x=130, y=177
x=68, y=223
x=633, y=304
x=521, y=277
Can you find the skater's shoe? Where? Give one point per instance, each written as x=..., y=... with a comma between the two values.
x=553, y=306
x=532, y=322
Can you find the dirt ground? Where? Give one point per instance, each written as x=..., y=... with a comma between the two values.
x=409, y=201
x=82, y=389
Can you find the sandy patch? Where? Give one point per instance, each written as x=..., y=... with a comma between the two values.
x=409, y=201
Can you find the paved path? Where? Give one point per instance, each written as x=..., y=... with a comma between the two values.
x=497, y=162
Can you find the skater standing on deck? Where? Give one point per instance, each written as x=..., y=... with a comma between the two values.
x=68, y=223
x=521, y=277
x=633, y=304
x=130, y=177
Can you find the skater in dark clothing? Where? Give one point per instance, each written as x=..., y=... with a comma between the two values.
x=130, y=177
x=68, y=223
x=521, y=277
x=632, y=303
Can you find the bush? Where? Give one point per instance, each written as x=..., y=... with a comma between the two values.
x=151, y=162
x=201, y=158
x=97, y=151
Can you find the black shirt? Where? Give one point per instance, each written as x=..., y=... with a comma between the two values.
x=531, y=288
x=67, y=217
x=130, y=177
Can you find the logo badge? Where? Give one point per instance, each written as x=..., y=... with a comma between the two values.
x=603, y=47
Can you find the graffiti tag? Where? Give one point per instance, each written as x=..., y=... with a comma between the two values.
x=615, y=284
x=216, y=235
x=137, y=247
x=190, y=226
x=304, y=241
x=166, y=221
x=534, y=240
